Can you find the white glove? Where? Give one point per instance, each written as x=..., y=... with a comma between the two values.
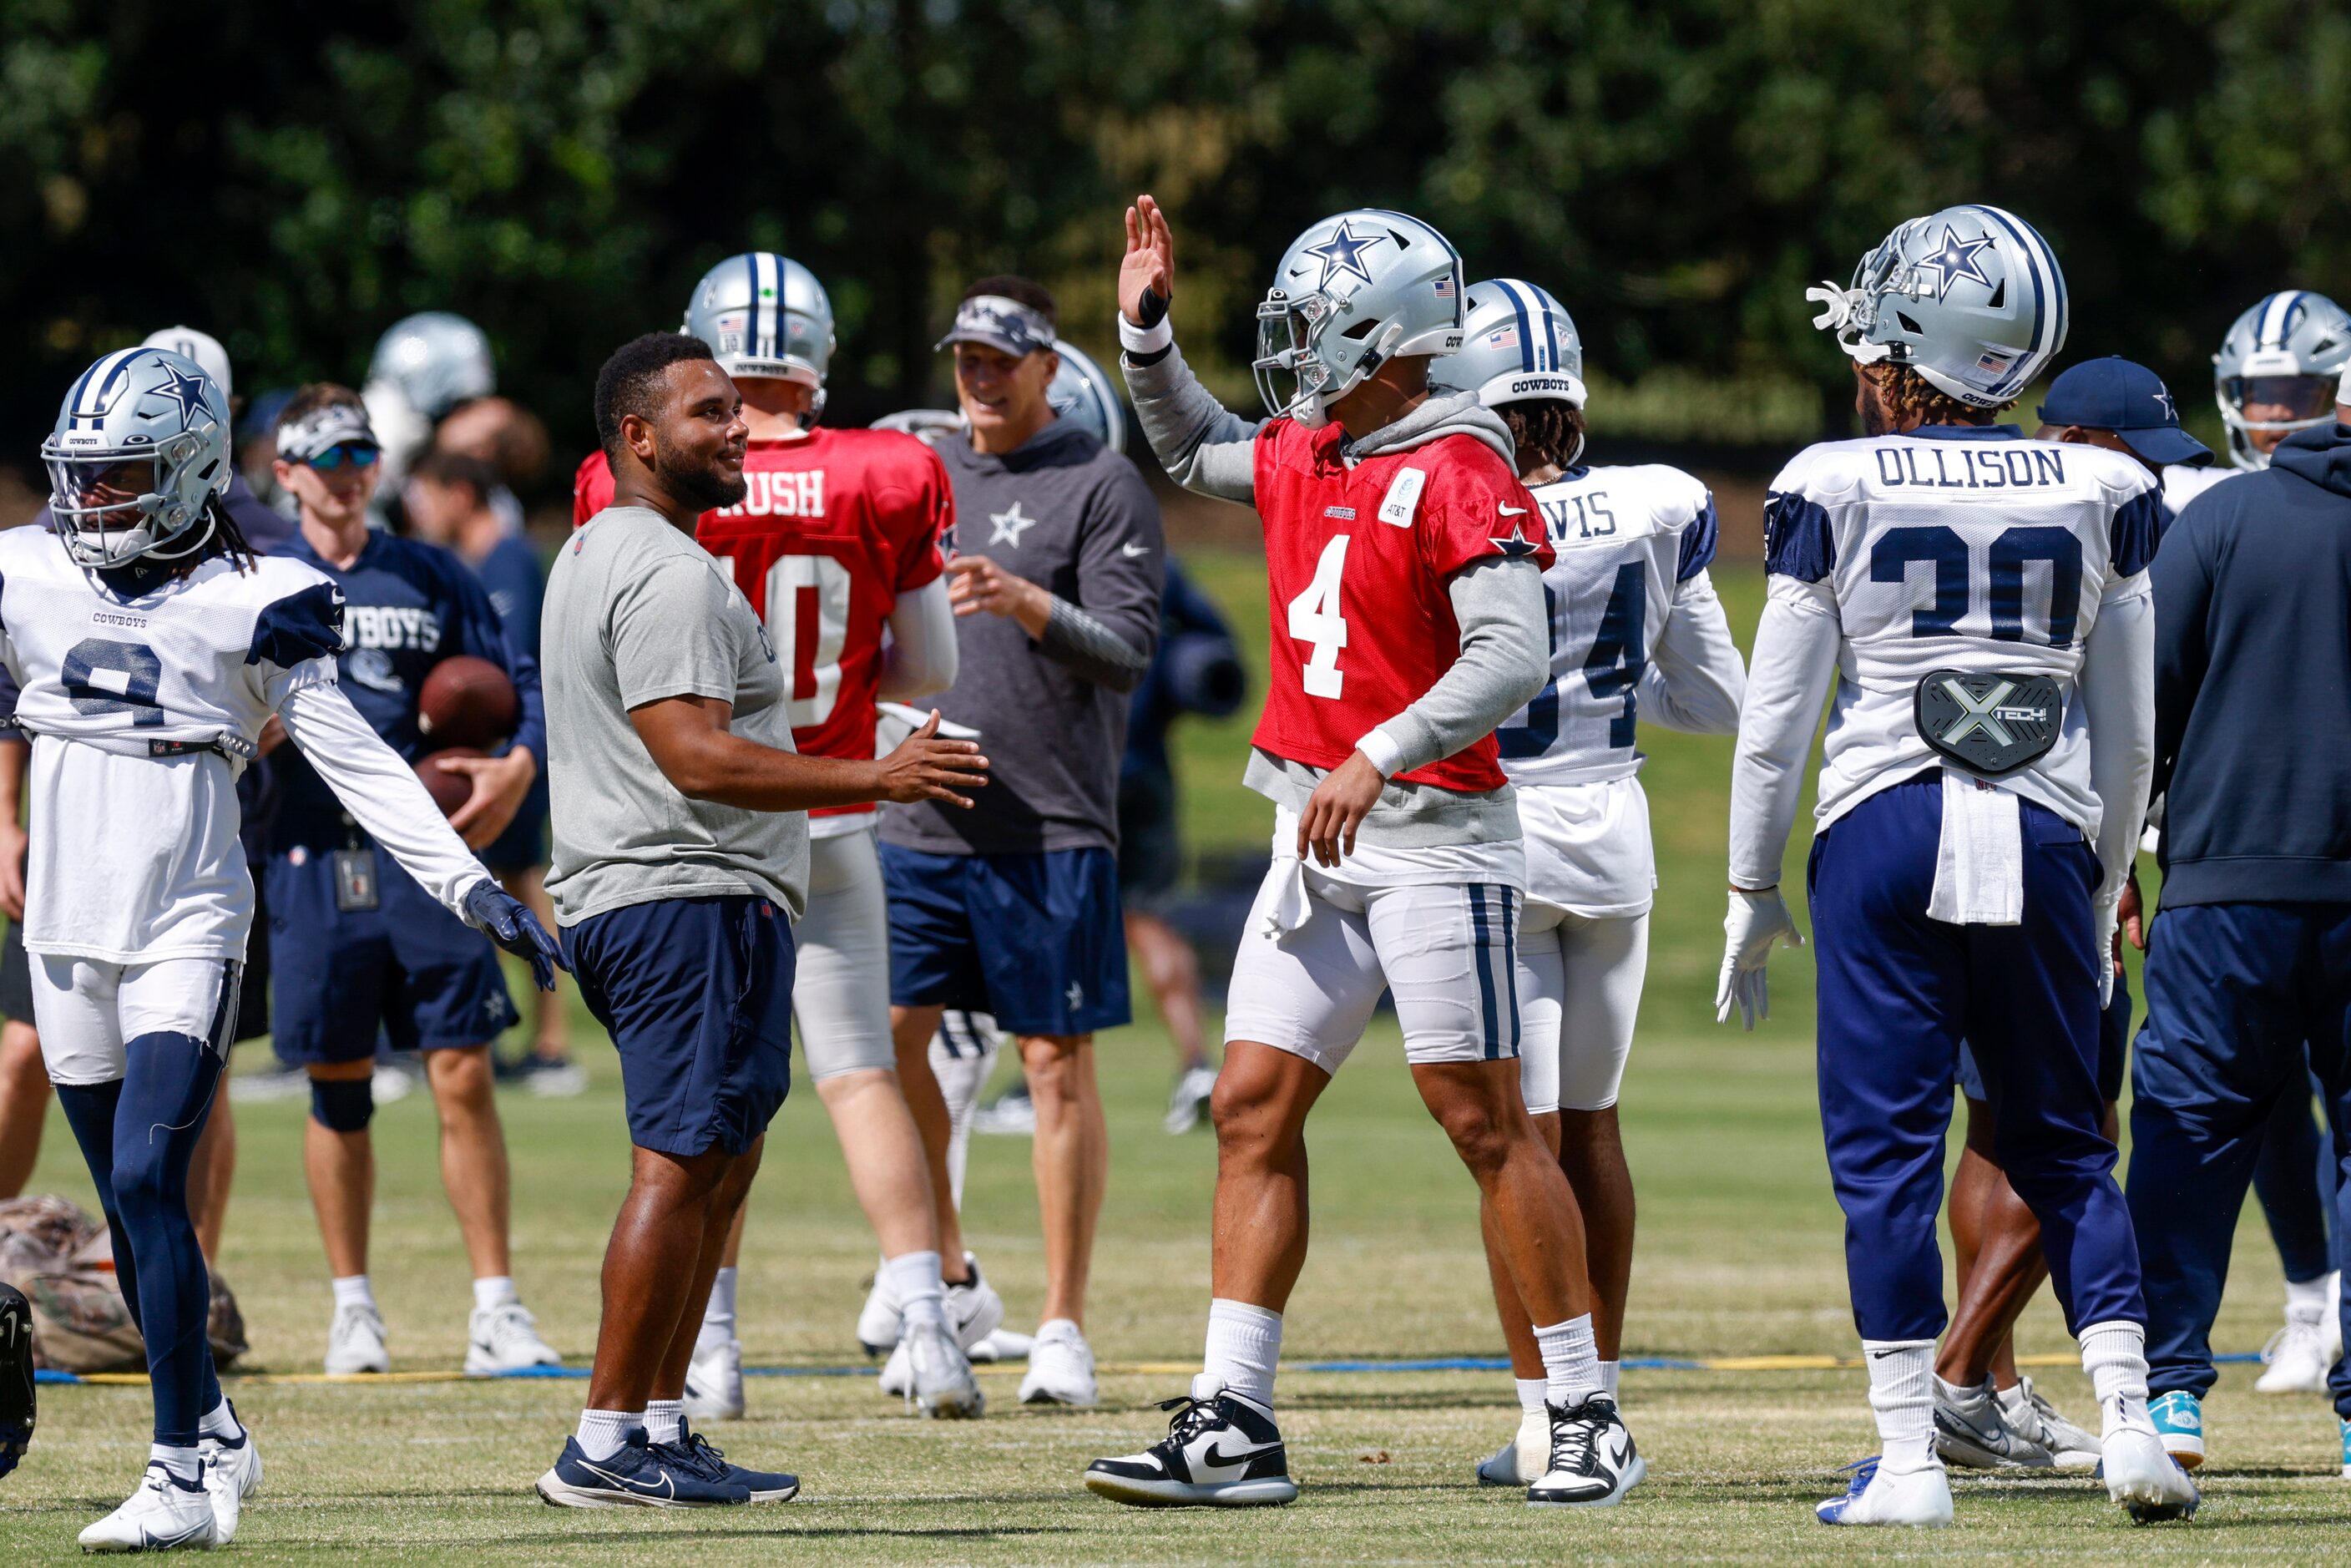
x=1756, y=921
x=2104, y=916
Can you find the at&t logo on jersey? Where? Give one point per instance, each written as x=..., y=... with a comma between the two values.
x=798, y=492
x=391, y=626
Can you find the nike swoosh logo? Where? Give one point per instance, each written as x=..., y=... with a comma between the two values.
x=1513, y=512
x=155, y=1542
x=668, y=1486
x=1131, y=552
x=1216, y=1464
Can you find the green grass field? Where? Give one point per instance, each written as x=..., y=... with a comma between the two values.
x=1741, y=1254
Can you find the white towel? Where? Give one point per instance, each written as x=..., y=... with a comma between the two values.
x=1291, y=906
x=1980, y=859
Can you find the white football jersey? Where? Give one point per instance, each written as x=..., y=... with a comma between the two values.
x=1964, y=548
x=2182, y=484
x=134, y=852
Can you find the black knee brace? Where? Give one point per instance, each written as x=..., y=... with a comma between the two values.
x=342, y=1104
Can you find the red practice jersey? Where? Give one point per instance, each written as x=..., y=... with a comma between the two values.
x=838, y=523
x=1357, y=560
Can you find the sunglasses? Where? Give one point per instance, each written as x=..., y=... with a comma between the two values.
x=356, y=454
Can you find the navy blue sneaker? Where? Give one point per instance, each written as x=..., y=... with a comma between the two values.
x=18, y=1403
x=694, y=1450
x=639, y=1476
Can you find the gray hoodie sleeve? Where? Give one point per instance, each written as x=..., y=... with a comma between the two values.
x=1203, y=444
x=1108, y=629
x=1505, y=661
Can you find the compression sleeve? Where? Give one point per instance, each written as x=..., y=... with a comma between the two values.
x=922, y=658
x=380, y=792
x=1204, y=445
x=1076, y=639
x=1787, y=682
x=1694, y=679
x=2118, y=691
x=1505, y=661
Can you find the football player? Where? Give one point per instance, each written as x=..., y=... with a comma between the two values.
x=1981, y=599
x=1636, y=633
x=356, y=945
x=152, y=648
x=1404, y=561
x=837, y=547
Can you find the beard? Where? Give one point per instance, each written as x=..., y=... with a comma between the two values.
x=705, y=484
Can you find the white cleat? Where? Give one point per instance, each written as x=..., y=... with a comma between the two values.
x=355, y=1341
x=1060, y=1367
x=2298, y=1356
x=2029, y=1411
x=1004, y=1344
x=1522, y=1460
x=974, y=1310
x=880, y=1320
x=505, y=1338
x=1973, y=1428
x=713, y=1382
x=1189, y=1102
x=1591, y=1460
x=165, y=1514
x=1921, y=1499
x=931, y=1370
x=2146, y=1480
x=232, y=1474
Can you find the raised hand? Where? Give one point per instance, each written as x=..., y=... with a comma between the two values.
x=1146, y=277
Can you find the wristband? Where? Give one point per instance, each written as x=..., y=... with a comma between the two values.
x=1160, y=335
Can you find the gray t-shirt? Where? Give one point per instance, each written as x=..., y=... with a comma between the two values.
x=637, y=612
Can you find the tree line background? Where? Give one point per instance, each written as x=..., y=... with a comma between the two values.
x=293, y=178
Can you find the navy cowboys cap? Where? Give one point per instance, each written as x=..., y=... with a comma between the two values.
x=2130, y=400
x=1005, y=325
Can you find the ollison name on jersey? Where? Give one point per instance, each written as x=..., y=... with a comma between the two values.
x=391, y=626
x=1972, y=468
x=797, y=494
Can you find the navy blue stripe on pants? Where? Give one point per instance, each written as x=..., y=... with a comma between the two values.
x=2234, y=993
x=1897, y=993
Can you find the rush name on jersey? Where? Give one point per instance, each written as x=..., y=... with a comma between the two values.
x=134, y=849
x=1963, y=548
x=836, y=524
x=1356, y=559
x=1625, y=538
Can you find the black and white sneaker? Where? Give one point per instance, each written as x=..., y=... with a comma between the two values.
x=19, y=1405
x=1593, y=1460
x=1220, y=1452
x=639, y=1476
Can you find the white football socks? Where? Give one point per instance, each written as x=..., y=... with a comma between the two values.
x=717, y=1314
x=187, y=1464
x=1902, y=1397
x=2312, y=1298
x=912, y=1278
x=604, y=1433
x=1530, y=1394
x=494, y=1290
x=2115, y=1355
x=1571, y=1362
x=1244, y=1344
x=1608, y=1371
x=354, y=1290
x=662, y=1416
x=219, y=1422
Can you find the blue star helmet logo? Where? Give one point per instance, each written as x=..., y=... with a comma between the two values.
x=1341, y=253
x=1956, y=259
x=183, y=388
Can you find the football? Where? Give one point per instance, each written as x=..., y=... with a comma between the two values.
x=449, y=791
x=467, y=700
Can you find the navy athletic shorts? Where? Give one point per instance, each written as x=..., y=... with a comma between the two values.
x=696, y=994
x=429, y=979
x=1034, y=940
x=524, y=843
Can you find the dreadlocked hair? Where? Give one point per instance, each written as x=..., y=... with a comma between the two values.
x=1910, y=399
x=1545, y=430
x=228, y=540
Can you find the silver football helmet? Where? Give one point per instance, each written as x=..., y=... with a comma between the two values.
x=2286, y=355
x=1351, y=293
x=765, y=315
x=436, y=360
x=1081, y=392
x=1970, y=297
x=201, y=347
x=141, y=447
x=1519, y=344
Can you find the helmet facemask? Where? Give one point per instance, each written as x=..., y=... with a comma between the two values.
x=1295, y=338
x=2310, y=400
x=113, y=506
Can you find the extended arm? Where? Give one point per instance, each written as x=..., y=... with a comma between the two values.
x=1204, y=445
x=688, y=740
x=1695, y=680
x=923, y=657
x=2117, y=689
x=1795, y=660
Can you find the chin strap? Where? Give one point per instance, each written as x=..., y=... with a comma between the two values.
x=1841, y=312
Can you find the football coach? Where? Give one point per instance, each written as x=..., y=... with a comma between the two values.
x=681, y=859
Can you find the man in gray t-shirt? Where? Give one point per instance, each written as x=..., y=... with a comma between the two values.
x=680, y=858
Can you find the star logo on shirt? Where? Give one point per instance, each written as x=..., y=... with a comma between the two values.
x=1077, y=995
x=1006, y=527
x=1957, y=259
x=1341, y=253
x=1516, y=546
